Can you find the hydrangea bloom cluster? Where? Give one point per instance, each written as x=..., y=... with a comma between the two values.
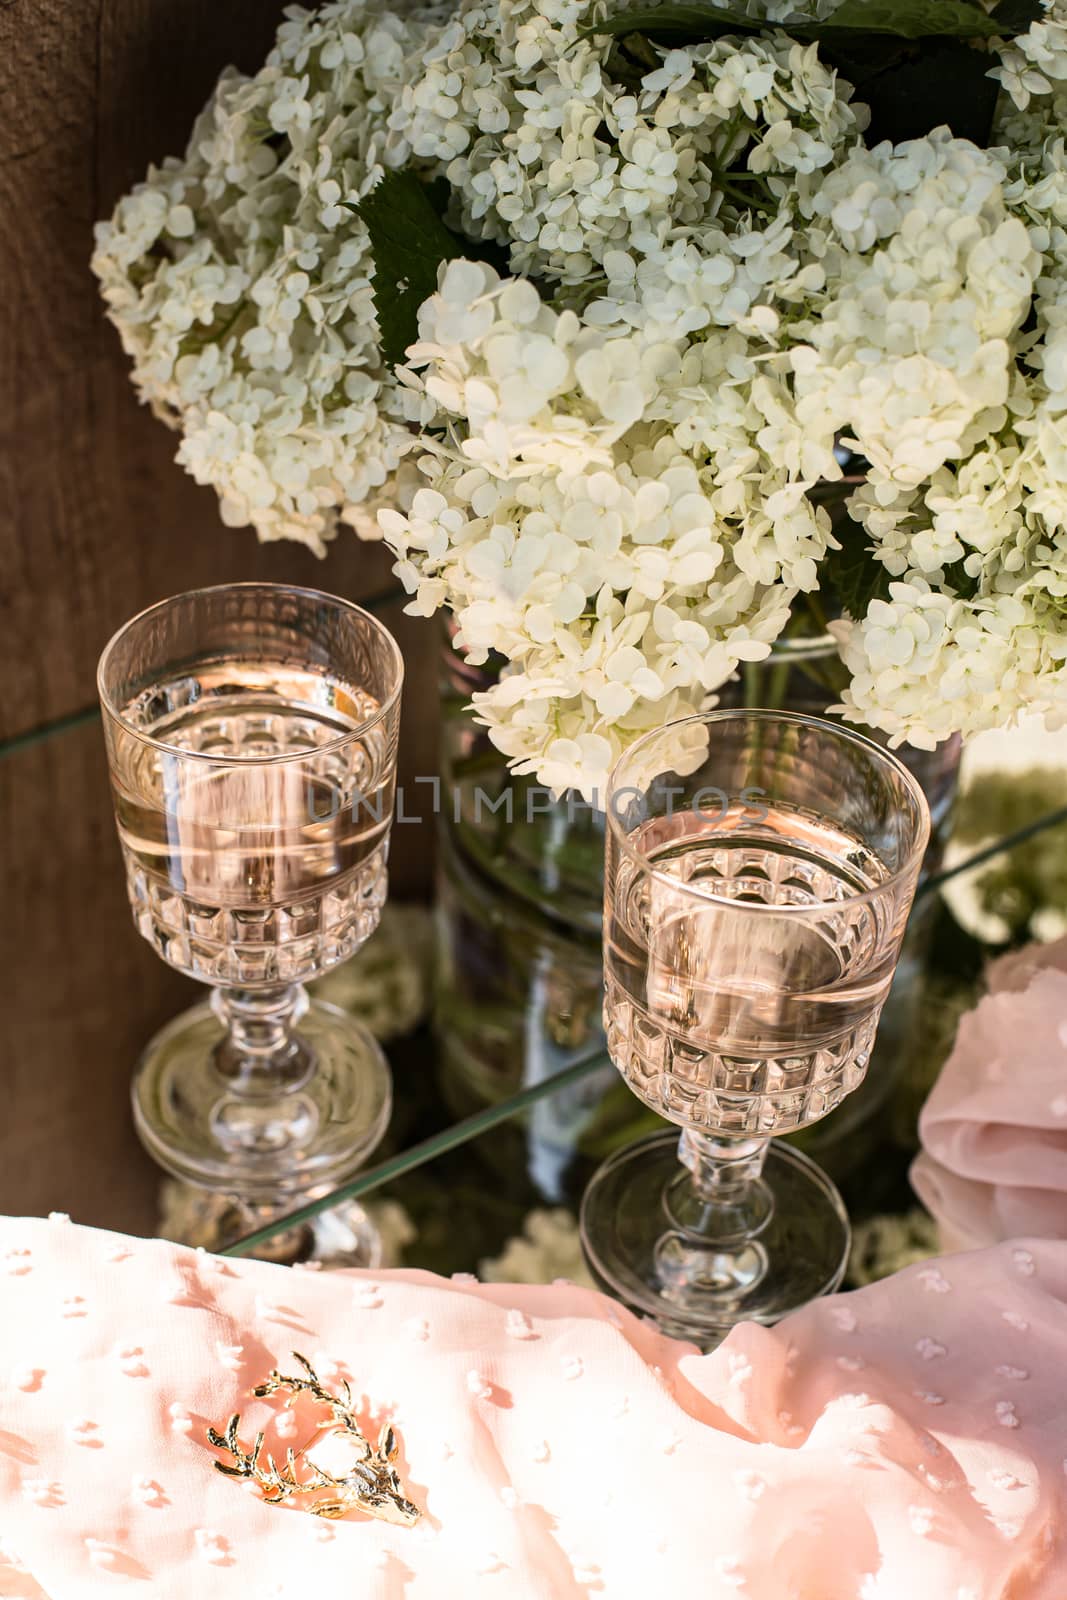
x=618, y=513
x=603, y=460
x=1034, y=66
x=974, y=629
x=550, y=155
x=241, y=284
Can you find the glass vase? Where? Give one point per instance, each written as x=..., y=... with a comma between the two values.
x=520, y=985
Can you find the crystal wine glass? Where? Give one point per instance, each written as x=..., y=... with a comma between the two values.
x=760, y=870
x=252, y=738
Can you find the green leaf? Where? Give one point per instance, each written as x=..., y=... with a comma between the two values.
x=693, y=23
x=409, y=242
x=907, y=19
x=903, y=19
x=855, y=576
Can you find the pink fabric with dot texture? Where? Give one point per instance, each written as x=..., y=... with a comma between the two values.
x=905, y=1441
x=994, y=1129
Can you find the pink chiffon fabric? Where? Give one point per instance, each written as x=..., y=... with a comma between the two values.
x=906, y=1442
x=994, y=1129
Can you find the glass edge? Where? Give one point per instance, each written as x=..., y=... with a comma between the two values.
x=419, y=1155
x=48, y=730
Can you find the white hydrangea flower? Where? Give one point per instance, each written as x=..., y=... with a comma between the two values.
x=620, y=515
x=548, y=1248
x=611, y=487
x=929, y=278
x=961, y=515
x=926, y=665
x=547, y=154
x=240, y=281
x=1035, y=63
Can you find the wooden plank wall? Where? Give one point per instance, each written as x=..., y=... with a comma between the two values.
x=96, y=521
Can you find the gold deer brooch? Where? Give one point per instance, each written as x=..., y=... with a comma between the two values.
x=363, y=1477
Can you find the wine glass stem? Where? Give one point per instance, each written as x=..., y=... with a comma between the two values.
x=720, y=1198
x=261, y=1056
x=717, y=1207
x=722, y=1169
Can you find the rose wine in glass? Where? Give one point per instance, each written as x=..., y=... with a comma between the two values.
x=249, y=866
x=748, y=991
x=760, y=868
x=252, y=739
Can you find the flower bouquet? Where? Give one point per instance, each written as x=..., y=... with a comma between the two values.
x=588, y=311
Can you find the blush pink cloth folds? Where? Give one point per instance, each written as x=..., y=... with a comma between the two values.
x=994, y=1129
x=903, y=1443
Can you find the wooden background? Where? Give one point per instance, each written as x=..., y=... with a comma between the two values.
x=96, y=522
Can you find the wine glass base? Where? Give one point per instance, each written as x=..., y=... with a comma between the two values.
x=699, y=1289
x=344, y=1236
x=272, y=1150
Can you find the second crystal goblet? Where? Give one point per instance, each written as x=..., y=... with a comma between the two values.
x=252, y=739
x=760, y=870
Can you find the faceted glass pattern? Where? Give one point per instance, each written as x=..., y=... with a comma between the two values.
x=760, y=868
x=252, y=740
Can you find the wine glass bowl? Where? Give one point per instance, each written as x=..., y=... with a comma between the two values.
x=251, y=734
x=760, y=868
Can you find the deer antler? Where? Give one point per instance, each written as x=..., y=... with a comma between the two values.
x=277, y=1484
x=340, y=1405
x=246, y=1459
x=371, y=1484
